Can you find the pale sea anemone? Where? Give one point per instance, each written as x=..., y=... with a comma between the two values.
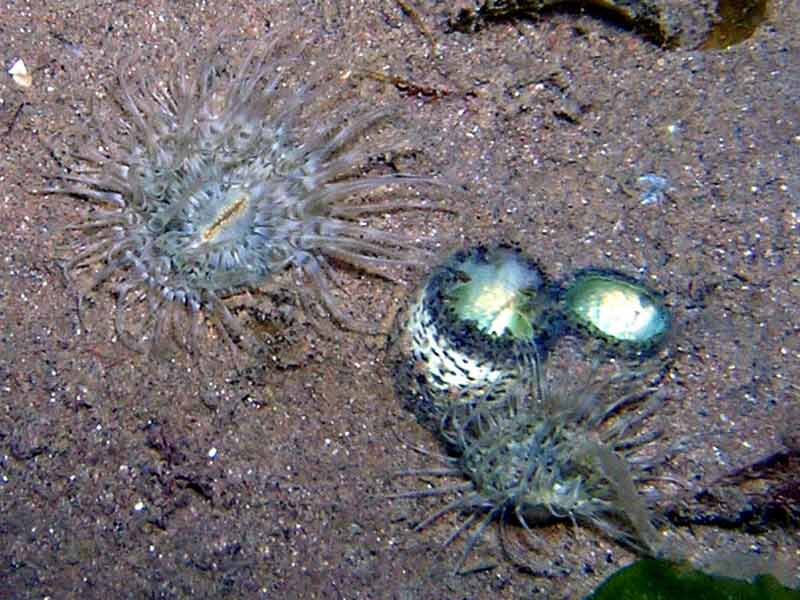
x=619, y=313
x=468, y=327
x=213, y=180
x=574, y=452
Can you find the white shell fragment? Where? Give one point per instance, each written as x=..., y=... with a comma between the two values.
x=19, y=72
x=654, y=188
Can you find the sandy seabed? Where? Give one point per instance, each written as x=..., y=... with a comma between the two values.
x=124, y=475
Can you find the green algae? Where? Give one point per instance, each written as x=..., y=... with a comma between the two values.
x=651, y=579
x=738, y=20
x=703, y=24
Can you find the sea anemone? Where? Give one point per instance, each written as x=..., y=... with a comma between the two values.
x=577, y=453
x=467, y=329
x=618, y=312
x=219, y=178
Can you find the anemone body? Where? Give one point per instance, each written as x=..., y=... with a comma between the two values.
x=473, y=321
x=217, y=181
x=537, y=455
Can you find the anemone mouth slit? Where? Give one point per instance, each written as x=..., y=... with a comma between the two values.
x=220, y=177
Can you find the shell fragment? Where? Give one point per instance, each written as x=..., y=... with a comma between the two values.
x=20, y=74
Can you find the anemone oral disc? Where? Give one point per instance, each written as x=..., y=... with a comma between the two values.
x=617, y=309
